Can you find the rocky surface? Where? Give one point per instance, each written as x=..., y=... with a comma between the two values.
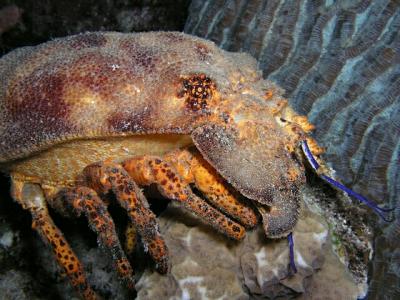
x=339, y=62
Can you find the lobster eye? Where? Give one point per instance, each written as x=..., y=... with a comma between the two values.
x=197, y=90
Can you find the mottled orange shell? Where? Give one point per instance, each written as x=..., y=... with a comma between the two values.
x=107, y=84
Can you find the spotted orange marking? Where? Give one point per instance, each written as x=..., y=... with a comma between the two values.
x=130, y=238
x=63, y=253
x=86, y=200
x=197, y=90
x=112, y=177
x=268, y=95
x=211, y=184
x=172, y=186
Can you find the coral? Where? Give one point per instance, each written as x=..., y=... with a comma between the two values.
x=208, y=265
x=202, y=263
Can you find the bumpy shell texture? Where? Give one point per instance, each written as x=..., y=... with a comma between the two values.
x=105, y=84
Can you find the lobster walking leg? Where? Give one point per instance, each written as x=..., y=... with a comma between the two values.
x=31, y=197
x=85, y=200
x=149, y=169
x=105, y=177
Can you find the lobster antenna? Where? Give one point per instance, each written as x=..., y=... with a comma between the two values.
x=291, y=253
x=314, y=164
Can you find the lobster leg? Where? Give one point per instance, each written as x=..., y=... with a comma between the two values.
x=85, y=200
x=149, y=169
x=130, y=238
x=31, y=197
x=195, y=169
x=105, y=177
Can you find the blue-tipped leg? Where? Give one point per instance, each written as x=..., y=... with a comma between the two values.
x=314, y=164
x=291, y=253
